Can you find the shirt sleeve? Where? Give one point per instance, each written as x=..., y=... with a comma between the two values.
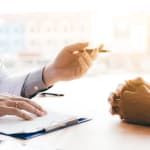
x=33, y=84
x=27, y=85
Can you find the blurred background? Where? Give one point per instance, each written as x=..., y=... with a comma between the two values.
x=33, y=32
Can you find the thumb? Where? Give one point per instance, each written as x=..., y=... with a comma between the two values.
x=101, y=46
x=127, y=93
x=143, y=89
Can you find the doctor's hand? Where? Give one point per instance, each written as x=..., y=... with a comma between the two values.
x=71, y=63
x=13, y=105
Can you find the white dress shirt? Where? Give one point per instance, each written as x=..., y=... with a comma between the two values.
x=26, y=85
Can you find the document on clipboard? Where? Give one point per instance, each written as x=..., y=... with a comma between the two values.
x=19, y=128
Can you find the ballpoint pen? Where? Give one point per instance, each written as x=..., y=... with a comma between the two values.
x=91, y=49
x=50, y=94
x=99, y=50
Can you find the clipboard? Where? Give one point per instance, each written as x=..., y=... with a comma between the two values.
x=45, y=129
x=26, y=136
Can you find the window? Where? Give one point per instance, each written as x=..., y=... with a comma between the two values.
x=46, y=30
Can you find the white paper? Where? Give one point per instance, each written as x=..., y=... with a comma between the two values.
x=13, y=124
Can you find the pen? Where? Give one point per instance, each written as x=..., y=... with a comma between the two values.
x=51, y=94
x=99, y=50
x=90, y=50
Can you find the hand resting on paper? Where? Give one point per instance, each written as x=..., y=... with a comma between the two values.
x=13, y=105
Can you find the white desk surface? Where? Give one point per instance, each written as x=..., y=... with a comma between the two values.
x=88, y=97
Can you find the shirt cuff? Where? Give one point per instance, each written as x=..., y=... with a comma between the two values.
x=33, y=84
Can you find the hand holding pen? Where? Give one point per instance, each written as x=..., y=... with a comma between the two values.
x=71, y=63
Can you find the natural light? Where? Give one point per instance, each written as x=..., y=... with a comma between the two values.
x=33, y=28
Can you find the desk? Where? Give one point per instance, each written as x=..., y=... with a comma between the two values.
x=88, y=97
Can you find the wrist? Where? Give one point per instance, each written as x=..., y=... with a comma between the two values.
x=50, y=75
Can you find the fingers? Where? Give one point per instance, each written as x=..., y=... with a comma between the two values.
x=83, y=67
x=76, y=47
x=114, y=101
x=94, y=54
x=143, y=89
x=138, y=81
x=114, y=110
x=25, y=100
x=87, y=59
x=88, y=56
x=101, y=46
x=134, y=83
x=25, y=106
x=15, y=104
x=34, y=104
x=119, y=90
x=14, y=111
